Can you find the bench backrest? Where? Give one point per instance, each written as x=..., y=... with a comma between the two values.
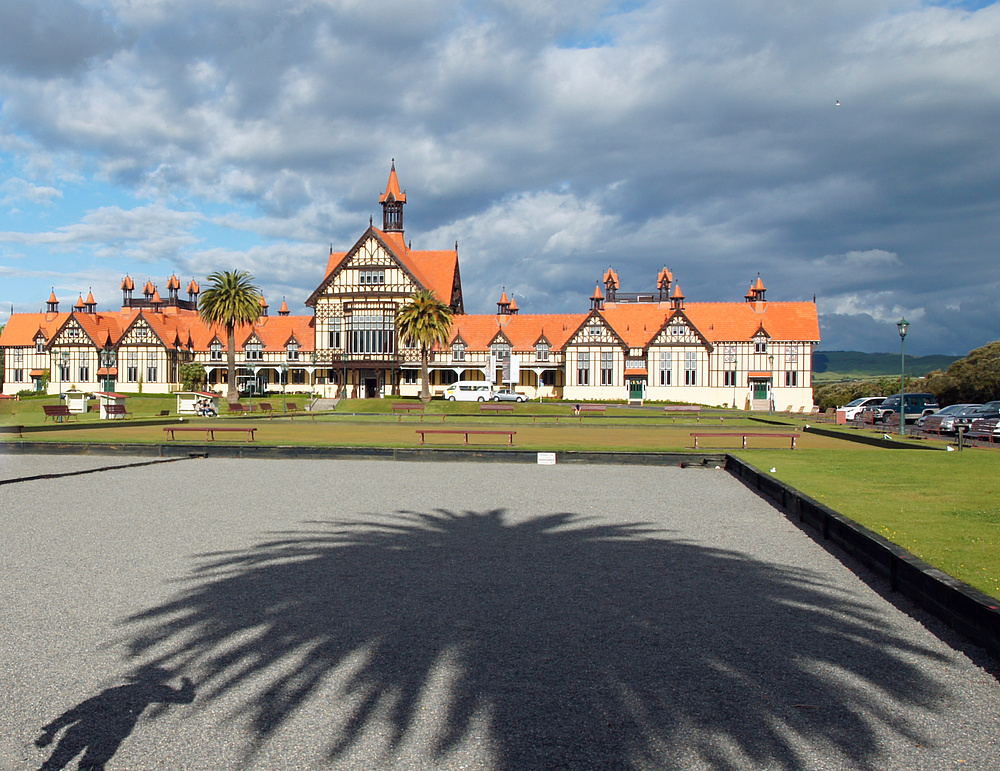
x=985, y=425
x=56, y=409
x=115, y=409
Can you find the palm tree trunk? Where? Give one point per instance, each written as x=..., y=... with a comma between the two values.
x=232, y=396
x=425, y=391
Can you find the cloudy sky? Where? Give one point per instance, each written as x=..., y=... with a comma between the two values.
x=847, y=150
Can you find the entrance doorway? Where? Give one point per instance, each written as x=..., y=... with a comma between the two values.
x=371, y=388
x=760, y=389
x=635, y=389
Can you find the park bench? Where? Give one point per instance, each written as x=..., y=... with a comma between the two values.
x=466, y=432
x=403, y=409
x=116, y=411
x=983, y=430
x=496, y=407
x=932, y=425
x=265, y=407
x=58, y=412
x=681, y=408
x=744, y=435
x=211, y=431
x=237, y=407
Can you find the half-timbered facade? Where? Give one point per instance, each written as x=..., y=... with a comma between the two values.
x=627, y=346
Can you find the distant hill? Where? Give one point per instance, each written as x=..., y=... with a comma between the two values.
x=855, y=365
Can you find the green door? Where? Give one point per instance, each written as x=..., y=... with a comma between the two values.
x=759, y=389
x=635, y=389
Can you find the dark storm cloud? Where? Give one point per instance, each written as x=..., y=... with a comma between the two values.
x=52, y=38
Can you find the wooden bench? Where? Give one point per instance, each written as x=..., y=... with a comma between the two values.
x=496, y=407
x=116, y=411
x=465, y=432
x=58, y=411
x=983, y=430
x=210, y=431
x=237, y=407
x=932, y=424
x=681, y=408
x=743, y=434
x=404, y=408
x=265, y=407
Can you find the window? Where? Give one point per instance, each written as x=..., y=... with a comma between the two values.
x=541, y=352
x=18, y=355
x=594, y=330
x=141, y=332
x=549, y=377
x=151, y=361
x=791, y=354
x=410, y=376
x=72, y=332
x=501, y=350
x=729, y=378
x=677, y=329
x=607, y=367
x=791, y=378
x=760, y=346
x=132, y=370
x=371, y=277
x=215, y=351
x=690, y=368
x=335, y=333
x=255, y=351
x=448, y=376
x=370, y=334
x=64, y=372
x=18, y=375
x=298, y=376
x=293, y=351
x=458, y=351
x=84, y=373
x=39, y=345
x=729, y=353
x=665, y=368
x=583, y=368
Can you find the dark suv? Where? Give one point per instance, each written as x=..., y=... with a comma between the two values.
x=916, y=405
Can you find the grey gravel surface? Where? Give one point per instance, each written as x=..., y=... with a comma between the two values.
x=380, y=615
x=14, y=466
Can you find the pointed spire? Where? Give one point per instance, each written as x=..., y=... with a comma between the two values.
x=597, y=298
x=127, y=284
x=392, y=191
x=52, y=306
x=283, y=310
x=79, y=303
x=392, y=201
x=193, y=288
x=513, y=307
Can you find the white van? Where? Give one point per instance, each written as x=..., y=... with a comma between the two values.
x=468, y=392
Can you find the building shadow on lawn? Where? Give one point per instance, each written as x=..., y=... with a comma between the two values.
x=558, y=642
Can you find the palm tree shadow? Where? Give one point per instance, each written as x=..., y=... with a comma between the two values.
x=97, y=726
x=571, y=644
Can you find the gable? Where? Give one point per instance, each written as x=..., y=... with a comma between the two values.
x=595, y=331
x=370, y=267
x=679, y=330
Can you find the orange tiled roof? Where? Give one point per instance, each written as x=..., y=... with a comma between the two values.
x=522, y=330
x=392, y=188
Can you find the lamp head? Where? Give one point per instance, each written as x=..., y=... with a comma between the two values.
x=902, y=325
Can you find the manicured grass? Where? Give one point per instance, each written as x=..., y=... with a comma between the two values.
x=944, y=507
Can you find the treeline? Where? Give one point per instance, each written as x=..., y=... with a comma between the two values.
x=974, y=379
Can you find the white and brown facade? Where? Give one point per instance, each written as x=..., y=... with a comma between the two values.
x=754, y=353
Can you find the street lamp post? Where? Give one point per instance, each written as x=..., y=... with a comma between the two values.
x=770, y=393
x=902, y=325
x=63, y=363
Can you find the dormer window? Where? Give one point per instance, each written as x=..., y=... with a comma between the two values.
x=594, y=330
x=542, y=352
x=73, y=332
x=677, y=329
x=458, y=351
x=501, y=350
x=215, y=351
x=760, y=345
x=293, y=351
x=40, y=345
x=141, y=331
x=255, y=351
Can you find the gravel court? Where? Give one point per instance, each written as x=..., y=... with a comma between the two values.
x=16, y=466
x=370, y=615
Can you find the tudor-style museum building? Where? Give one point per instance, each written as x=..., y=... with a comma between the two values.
x=653, y=345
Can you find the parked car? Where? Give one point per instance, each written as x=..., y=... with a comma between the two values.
x=854, y=409
x=988, y=411
x=947, y=416
x=468, y=392
x=916, y=405
x=508, y=395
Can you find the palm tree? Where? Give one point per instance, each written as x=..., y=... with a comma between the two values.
x=231, y=300
x=424, y=321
